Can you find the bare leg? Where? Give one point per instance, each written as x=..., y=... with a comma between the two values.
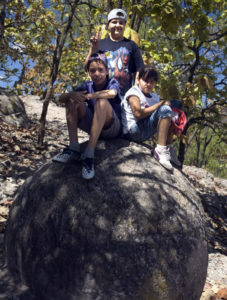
x=74, y=112
x=101, y=119
x=163, y=130
x=170, y=135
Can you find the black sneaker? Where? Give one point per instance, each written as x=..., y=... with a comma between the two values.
x=88, y=171
x=67, y=155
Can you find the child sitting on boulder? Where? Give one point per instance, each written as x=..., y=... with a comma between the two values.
x=100, y=117
x=143, y=114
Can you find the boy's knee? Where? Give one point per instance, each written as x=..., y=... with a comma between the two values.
x=165, y=111
x=101, y=104
x=167, y=102
x=75, y=109
x=165, y=108
x=101, y=101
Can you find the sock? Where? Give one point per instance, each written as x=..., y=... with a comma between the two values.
x=88, y=152
x=161, y=147
x=74, y=146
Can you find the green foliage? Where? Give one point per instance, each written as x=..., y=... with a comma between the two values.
x=184, y=40
x=208, y=149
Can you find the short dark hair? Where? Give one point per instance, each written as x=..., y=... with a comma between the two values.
x=97, y=57
x=148, y=73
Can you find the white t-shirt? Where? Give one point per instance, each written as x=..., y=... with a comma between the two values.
x=128, y=119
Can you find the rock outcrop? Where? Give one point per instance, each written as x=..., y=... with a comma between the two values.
x=135, y=231
x=12, y=110
x=206, y=181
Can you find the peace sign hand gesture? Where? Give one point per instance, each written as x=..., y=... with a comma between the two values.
x=94, y=39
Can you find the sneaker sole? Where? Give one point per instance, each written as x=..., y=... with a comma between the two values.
x=65, y=162
x=68, y=161
x=176, y=164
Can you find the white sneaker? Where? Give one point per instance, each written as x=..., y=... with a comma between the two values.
x=67, y=155
x=88, y=170
x=173, y=156
x=163, y=157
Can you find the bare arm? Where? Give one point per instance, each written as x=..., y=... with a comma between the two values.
x=140, y=113
x=78, y=97
x=94, y=40
x=105, y=94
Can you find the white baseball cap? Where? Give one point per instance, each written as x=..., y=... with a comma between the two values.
x=117, y=13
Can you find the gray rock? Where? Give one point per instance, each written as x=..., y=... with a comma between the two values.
x=10, y=187
x=134, y=232
x=221, y=185
x=205, y=180
x=12, y=110
x=201, y=176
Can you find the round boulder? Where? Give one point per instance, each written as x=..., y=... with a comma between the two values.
x=134, y=232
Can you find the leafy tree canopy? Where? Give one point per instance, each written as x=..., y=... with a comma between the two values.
x=184, y=40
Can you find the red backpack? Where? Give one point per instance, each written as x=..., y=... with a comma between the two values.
x=180, y=122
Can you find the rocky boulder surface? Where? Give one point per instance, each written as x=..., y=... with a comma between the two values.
x=136, y=231
x=213, y=193
x=12, y=110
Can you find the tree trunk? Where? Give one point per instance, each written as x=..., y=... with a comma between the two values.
x=120, y=3
x=190, y=139
x=182, y=145
x=110, y=5
x=2, y=18
x=181, y=152
x=198, y=149
x=138, y=23
x=208, y=138
x=21, y=77
x=43, y=115
x=61, y=38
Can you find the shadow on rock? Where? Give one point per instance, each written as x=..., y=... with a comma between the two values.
x=135, y=231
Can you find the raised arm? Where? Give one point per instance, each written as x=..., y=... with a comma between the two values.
x=94, y=47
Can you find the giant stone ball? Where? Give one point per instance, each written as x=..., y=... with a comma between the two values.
x=134, y=232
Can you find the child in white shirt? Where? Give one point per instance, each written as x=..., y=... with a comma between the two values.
x=144, y=115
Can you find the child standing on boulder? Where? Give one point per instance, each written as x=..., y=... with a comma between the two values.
x=124, y=57
x=100, y=117
x=143, y=114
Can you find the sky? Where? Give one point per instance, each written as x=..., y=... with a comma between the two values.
x=11, y=64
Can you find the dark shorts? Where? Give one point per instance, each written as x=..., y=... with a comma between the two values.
x=111, y=132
